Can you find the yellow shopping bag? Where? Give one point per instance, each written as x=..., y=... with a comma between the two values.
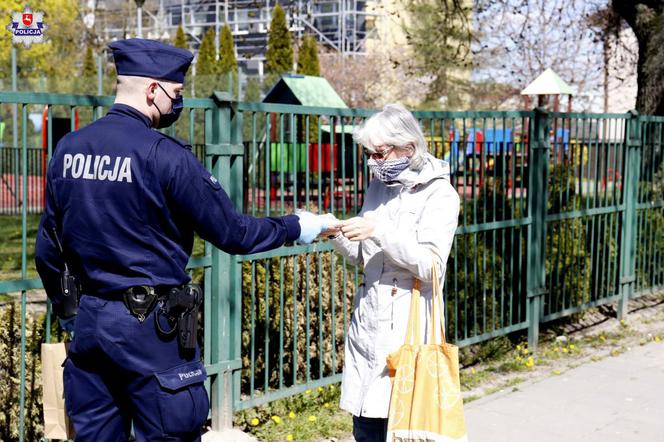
x=426, y=403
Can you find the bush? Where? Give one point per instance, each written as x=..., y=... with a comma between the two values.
x=475, y=280
x=649, y=247
x=10, y=374
x=567, y=265
x=282, y=294
x=482, y=294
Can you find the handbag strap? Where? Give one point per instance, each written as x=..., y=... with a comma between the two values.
x=436, y=309
x=413, y=336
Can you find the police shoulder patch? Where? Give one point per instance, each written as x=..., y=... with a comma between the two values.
x=211, y=181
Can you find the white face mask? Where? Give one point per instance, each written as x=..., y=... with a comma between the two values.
x=388, y=170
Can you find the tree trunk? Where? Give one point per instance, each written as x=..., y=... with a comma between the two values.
x=646, y=18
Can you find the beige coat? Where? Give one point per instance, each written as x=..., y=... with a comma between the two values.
x=416, y=222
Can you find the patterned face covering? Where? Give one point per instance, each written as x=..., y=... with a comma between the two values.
x=388, y=170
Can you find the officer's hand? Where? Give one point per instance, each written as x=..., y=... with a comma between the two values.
x=333, y=225
x=311, y=226
x=67, y=324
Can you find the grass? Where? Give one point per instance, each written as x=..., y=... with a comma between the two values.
x=11, y=246
x=473, y=378
x=307, y=417
x=509, y=383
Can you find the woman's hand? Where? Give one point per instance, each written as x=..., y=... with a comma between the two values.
x=358, y=228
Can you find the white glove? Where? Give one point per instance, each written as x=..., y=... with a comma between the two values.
x=312, y=225
x=333, y=225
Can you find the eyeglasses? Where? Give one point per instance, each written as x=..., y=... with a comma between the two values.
x=379, y=153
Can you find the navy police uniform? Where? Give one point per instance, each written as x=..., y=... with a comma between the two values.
x=125, y=201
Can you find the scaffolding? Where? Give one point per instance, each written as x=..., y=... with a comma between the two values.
x=340, y=25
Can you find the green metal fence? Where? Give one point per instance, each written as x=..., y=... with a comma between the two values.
x=560, y=213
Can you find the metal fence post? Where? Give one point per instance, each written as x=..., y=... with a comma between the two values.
x=628, y=230
x=537, y=206
x=223, y=308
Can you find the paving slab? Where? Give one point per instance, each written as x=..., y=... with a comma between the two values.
x=616, y=399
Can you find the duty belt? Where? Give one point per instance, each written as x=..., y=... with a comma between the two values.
x=178, y=305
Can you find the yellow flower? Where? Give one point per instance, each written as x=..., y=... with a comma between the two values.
x=530, y=362
x=291, y=415
x=276, y=419
x=525, y=351
x=331, y=387
x=623, y=323
x=602, y=338
x=307, y=391
x=312, y=418
x=320, y=388
x=254, y=422
x=289, y=437
x=556, y=372
x=657, y=339
x=565, y=350
x=572, y=346
x=326, y=405
x=518, y=348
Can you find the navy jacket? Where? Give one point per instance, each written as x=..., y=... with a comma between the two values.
x=126, y=200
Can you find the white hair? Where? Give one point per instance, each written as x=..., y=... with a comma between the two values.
x=393, y=126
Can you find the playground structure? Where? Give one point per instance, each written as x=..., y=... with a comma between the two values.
x=325, y=172
x=478, y=157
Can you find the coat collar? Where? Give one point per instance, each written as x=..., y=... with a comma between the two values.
x=131, y=112
x=432, y=169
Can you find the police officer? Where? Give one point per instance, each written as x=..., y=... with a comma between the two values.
x=124, y=201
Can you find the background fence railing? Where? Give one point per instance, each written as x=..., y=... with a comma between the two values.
x=559, y=213
x=11, y=185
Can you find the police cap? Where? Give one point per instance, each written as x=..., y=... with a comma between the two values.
x=149, y=58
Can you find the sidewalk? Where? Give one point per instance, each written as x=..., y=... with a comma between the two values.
x=617, y=399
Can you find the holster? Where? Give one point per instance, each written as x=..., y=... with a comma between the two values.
x=181, y=308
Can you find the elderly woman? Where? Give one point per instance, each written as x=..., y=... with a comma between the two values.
x=406, y=226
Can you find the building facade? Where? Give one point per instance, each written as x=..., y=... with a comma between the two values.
x=339, y=25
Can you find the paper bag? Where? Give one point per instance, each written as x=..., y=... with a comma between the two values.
x=56, y=422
